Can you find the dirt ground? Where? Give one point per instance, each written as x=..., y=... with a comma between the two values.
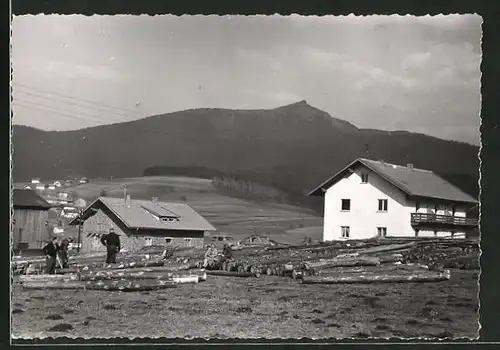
x=265, y=307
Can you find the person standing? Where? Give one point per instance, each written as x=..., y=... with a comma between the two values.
x=112, y=243
x=50, y=250
x=63, y=252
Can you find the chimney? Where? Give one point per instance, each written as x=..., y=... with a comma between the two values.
x=409, y=166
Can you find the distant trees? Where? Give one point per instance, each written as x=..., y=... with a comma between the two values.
x=244, y=188
x=188, y=171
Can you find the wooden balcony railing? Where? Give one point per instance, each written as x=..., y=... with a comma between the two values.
x=422, y=218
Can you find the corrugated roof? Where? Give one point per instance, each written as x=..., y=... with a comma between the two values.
x=413, y=181
x=134, y=215
x=22, y=198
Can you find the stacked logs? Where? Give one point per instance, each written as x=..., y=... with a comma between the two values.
x=126, y=277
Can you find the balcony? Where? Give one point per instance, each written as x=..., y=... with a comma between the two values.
x=448, y=220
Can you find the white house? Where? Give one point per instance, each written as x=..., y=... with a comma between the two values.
x=84, y=180
x=369, y=199
x=40, y=187
x=51, y=187
x=57, y=184
x=63, y=195
x=27, y=187
x=35, y=181
x=69, y=212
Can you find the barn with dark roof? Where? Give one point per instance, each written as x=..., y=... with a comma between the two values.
x=29, y=221
x=369, y=198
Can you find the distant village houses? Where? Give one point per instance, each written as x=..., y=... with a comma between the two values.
x=370, y=199
x=69, y=212
x=84, y=180
x=79, y=203
x=40, y=187
x=57, y=184
x=35, y=181
x=141, y=223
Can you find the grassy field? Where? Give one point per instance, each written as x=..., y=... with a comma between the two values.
x=268, y=307
x=265, y=307
x=231, y=216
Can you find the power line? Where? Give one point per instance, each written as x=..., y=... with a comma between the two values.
x=37, y=104
x=51, y=110
x=73, y=98
x=56, y=111
x=70, y=102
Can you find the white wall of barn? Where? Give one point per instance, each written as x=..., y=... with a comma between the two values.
x=364, y=218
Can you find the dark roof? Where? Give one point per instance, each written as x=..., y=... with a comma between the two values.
x=141, y=214
x=412, y=181
x=28, y=199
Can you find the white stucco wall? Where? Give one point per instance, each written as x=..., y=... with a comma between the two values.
x=364, y=218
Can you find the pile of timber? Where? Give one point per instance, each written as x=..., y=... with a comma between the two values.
x=126, y=276
x=113, y=280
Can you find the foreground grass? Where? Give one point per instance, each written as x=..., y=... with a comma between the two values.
x=267, y=307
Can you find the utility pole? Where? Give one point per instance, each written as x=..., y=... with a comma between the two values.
x=79, y=230
x=125, y=191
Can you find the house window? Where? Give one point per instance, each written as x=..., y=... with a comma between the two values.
x=346, y=205
x=382, y=205
x=148, y=241
x=345, y=230
x=168, y=240
x=364, y=178
x=188, y=240
x=382, y=231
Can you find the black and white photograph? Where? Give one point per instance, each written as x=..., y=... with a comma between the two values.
x=244, y=177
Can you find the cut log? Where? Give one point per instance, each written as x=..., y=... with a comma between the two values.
x=186, y=279
x=391, y=258
x=108, y=276
x=168, y=268
x=43, y=286
x=231, y=274
x=47, y=278
x=344, y=262
x=378, y=278
x=386, y=248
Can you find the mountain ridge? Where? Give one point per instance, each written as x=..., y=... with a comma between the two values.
x=295, y=145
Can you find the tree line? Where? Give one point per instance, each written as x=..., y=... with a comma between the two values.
x=248, y=189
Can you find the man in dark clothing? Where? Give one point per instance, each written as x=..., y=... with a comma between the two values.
x=227, y=252
x=63, y=252
x=50, y=251
x=112, y=243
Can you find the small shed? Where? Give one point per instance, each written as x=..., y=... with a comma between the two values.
x=29, y=220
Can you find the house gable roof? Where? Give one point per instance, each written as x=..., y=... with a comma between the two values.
x=412, y=181
x=25, y=198
x=135, y=215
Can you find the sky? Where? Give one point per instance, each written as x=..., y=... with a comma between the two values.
x=420, y=74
